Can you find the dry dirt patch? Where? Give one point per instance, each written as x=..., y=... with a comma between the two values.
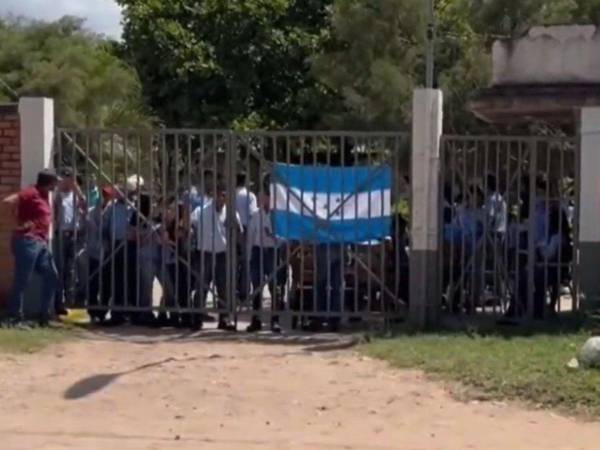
x=168, y=392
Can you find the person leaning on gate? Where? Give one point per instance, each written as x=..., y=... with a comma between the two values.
x=246, y=205
x=211, y=222
x=70, y=208
x=266, y=255
x=99, y=281
x=30, y=248
x=116, y=226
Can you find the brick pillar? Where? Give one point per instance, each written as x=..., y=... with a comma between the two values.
x=10, y=181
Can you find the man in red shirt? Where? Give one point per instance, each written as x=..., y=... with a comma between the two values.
x=30, y=248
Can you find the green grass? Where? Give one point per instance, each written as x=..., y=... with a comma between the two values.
x=21, y=341
x=501, y=367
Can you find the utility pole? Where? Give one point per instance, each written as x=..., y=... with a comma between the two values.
x=430, y=45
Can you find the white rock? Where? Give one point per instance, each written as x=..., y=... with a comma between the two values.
x=589, y=355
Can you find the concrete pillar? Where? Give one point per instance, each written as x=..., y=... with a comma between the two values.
x=589, y=207
x=37, y=135
x=427, y=119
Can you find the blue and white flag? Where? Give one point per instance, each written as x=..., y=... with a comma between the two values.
x=326, y=204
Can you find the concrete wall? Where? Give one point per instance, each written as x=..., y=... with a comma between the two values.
x=549, y=55
x=10, y=181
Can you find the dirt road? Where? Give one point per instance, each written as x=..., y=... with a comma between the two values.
x=176, y=392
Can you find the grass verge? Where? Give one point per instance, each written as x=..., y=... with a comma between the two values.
x=529, y=368
x=30, y=341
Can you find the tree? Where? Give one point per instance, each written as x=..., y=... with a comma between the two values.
x=91, y=87
x=374, y=71
x=218, y=63
x=372, y=62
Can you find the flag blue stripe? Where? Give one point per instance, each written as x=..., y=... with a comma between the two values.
x=326, y=179
x=297, y=227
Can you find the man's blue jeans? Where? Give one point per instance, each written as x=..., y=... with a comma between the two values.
x=31, y=255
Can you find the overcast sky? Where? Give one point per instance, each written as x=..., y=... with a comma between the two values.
x=102, y=16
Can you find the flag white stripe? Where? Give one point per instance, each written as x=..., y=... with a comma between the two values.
x=364, y=205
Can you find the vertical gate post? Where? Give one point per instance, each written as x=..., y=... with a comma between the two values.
x=37, y=138
x=425, y=179
x=589, y=207
x=37, y=135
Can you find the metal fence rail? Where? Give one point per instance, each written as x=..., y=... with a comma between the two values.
x=175, y=225
x=508, y=218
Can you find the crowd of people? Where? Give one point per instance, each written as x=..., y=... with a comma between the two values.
x=528, y=237
x=113, y=243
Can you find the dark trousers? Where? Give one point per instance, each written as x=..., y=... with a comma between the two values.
x=66, y=251
x=118, y=274
x=264, y=264
x=328, y=264
x=242, y=276
x=182, y=283
x=99, y=282
x=212, y=268
x=542, y=282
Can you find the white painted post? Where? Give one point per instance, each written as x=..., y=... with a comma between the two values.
x=589, y=207
x=425, y=179
x=37, y=135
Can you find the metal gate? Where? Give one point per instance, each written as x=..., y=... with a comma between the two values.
x=508, y=216
x=143, y=230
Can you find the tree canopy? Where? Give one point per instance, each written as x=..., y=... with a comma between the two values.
x=270, y=63
x=90, y=85
x=227, y=62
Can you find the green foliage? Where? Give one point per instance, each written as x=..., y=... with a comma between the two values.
x=221, y=62
x=21, y=341
x=90, y=85
x=372, y=63
x=376, y=54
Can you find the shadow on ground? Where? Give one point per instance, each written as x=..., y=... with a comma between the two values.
x=96, y=383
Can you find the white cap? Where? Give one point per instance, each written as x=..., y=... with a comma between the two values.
x=133, y=181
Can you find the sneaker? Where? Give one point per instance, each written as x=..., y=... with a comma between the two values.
x=276, y=328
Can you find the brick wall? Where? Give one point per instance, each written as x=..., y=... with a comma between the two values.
x=10, y=181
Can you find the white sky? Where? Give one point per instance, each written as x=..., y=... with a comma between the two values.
x=102, y=16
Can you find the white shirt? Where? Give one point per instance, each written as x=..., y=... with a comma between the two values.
x=497, y=213
x=260, y=231
x=66, y=207
x=211, y=228
x=246, y=204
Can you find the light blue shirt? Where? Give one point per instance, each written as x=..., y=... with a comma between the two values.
x=117, y=218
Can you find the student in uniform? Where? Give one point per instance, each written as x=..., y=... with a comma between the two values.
x=69, y=208
x=246, y=204
x=96, y=252
x=210, y=223
x=116, y=227
x=142, y=242
x=266, y=255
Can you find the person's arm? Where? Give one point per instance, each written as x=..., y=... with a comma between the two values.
x=11, y=202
